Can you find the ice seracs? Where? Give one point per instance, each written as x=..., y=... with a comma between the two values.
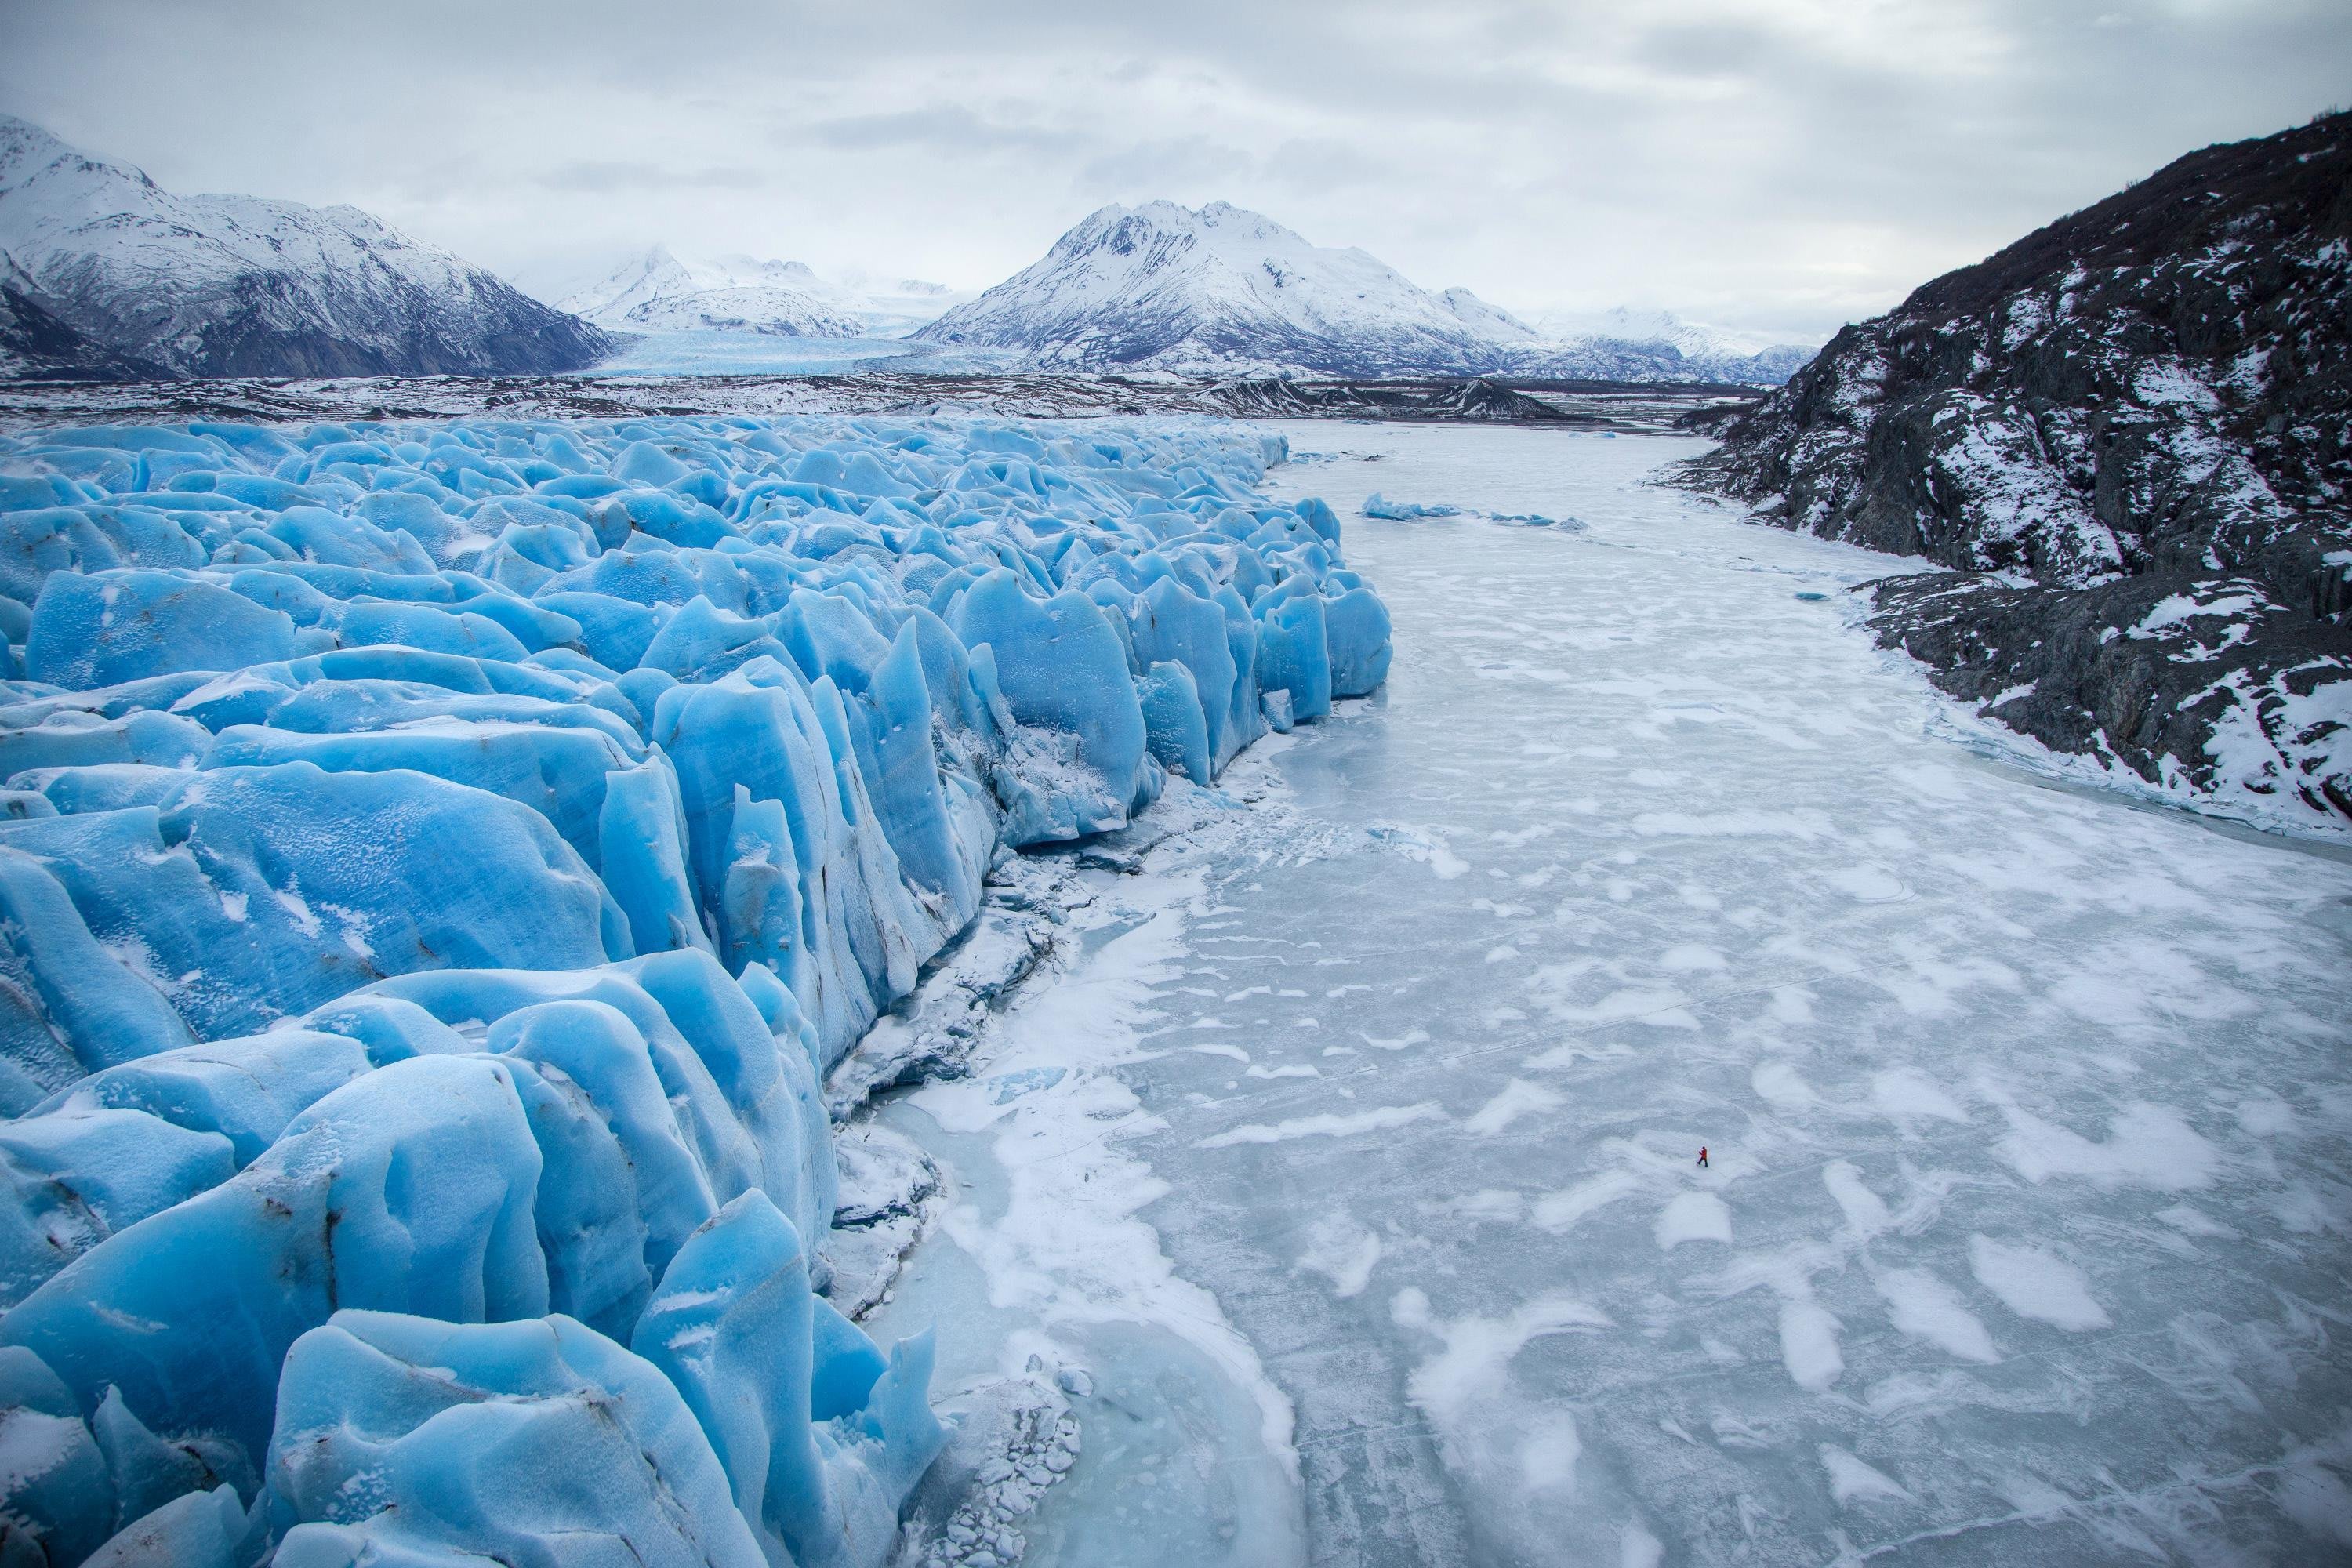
x=149, y=282
x=439, y=865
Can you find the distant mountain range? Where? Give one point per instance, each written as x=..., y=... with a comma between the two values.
x=108, y=274
x=1224, y=292
x=660, y=293
x=104, y=274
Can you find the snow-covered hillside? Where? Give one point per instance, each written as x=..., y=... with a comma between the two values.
x=241, y=285
x=661, y=292
x=34, y=344
x=1220, y=290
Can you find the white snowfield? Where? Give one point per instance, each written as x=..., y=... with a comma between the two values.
x=1351, y=1156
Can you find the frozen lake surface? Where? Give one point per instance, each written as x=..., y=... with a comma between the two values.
x=1352, y=1156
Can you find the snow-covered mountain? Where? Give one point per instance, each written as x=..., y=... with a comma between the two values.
x=661, y=292
x=1224, y=291
x=240, y=286
x=1217, y=291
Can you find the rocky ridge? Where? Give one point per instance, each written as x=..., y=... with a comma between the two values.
x=2126, y=440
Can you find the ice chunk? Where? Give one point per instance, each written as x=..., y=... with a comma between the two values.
x=124, y=625
x=1379, y=506
x=189, y=1312
x=54, y=1486
x=1174, y=726
x=400, y=1440
x=195, y=1530
x=1294, y=652
x=1062, y=668
x=756, y=1357
x=72, y=1179
x=252, y=892
x=69, y=1006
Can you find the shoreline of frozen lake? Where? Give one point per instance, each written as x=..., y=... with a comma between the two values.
x=1348, y=1151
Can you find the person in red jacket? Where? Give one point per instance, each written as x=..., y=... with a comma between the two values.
x=1702, y=1156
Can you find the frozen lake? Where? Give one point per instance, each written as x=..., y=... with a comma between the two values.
x=1353, y=1158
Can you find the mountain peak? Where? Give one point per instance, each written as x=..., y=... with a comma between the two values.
x=1218, y=288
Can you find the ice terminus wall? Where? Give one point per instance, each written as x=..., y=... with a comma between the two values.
x=439, y=865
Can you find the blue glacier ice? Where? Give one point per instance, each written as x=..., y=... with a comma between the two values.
x=440, y=864
x=1379, y=506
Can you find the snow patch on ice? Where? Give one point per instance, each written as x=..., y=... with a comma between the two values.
x=1693, y=1217
x=2036, y=1284
x=2146, y=1146
x=1852, y=1480
x=1341, y=1124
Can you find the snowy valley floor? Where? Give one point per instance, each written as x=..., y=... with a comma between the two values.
x=1342, y=1160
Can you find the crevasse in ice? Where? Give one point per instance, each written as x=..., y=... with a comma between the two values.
x=439, y=864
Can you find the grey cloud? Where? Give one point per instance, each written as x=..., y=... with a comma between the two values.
x=604, y=179
x=1177, y=164
x=947, y=129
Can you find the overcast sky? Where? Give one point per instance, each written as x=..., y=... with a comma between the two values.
x=1784, y=165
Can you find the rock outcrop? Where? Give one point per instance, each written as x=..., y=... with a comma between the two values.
x=2126, y=439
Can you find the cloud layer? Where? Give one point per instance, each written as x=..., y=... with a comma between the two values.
x=1788, y=166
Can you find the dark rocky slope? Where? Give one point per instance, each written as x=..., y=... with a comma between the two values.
x=35, y=343
x=2127, y=438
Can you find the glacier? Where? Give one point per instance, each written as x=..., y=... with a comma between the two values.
x=441, y=863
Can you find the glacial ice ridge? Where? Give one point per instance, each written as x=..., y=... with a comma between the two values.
x=440, y=864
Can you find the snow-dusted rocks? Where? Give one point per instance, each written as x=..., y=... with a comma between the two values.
x=108, y=276
x=439, y=864
x=2130, y=435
